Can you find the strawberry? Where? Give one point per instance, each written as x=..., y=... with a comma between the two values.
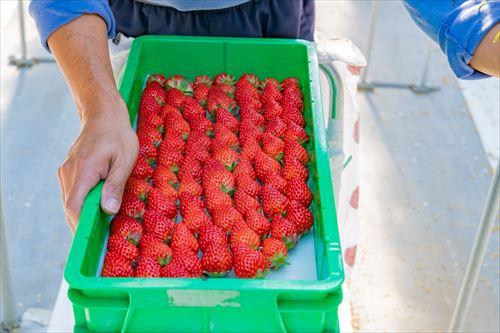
x=160, y=202
x=225, y=218
x=247, y=184
x=211, y=235
x=202, y=79
x=147, y=120
x=116, y=266
x=297, y=189
x=227, y=156
x=258, y=223
x=277, y=127
x=190, y=185
x=226, y=119
x=244, y=167
x=148, y=152
x=201, y=93
x=190, y=167
x=244, y=202
x=195, y=219
x=264, y=165
x=276, y=181
x=217, y=260
x=224, y=78
x=252, y=116
x=291, y=114
x=126, y=227
x=244, y=235
x=275, y=251
x=294, y=97
x=249, y=132
x=125, y=248
x=189, y=202
x=217, y=200
x=294, y=150
x=175, y=97
x=218, y=98
x=175, y=269
x=216, y=176
x=138, y=187
x=169, y=157
x=181, y=83
x=249, y=150
x=149, y=136
x=284, y=230
x=196, y=141
x=192, y=110
x=296, y=132
x=174, y=139
x=157, y=78
x=272, y=146
x=157, y=225
x=272, y=109
x=248, y=262
x=175, y=121
x=155, y=249
x=185, y=263
x=299, y=215
x=148, y=267
x=273, y=201
x=132, y=206
x=291, y=83
x=163, y=177
x=182, y=238
x=153, y=97
x=271, y=91
x=251, y=78
x=293, y=169
x=224, y=137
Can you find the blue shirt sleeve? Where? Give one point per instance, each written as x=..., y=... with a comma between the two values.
x=458, y=26
x=49, y=15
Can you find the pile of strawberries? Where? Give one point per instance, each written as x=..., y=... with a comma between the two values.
x=220, y=182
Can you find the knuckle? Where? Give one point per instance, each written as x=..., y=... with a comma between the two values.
x=114, y=187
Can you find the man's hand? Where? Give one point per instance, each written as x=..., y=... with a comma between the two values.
x=105, y=149
x=107, y=146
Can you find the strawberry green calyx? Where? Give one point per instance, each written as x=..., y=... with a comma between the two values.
x=164, y=261
x=278, y=260
x=261, y=273
x=217, y=274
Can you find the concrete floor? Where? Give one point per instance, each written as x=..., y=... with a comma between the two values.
x=424, y=178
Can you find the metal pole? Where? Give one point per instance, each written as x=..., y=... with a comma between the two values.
x=422, y=87
x=477, y=255
x=373, y=20
x=20, y=12
x=8, y=312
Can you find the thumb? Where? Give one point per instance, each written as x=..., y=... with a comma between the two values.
x=114, y=185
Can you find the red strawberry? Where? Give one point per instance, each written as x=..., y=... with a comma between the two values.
x=227, y=156
x=264, y=165
x=204, y=125
x=249, y=132
x=175, y=97
x=273, y=201
x=149, y=120
x=293, y=169
x=182, y=238
x=252, y=116
x=225, y=218
x=218, y=98
x=217, y=260
x=291, y=114
x=272, y=109
x=271, y=91
x=181, y=83
x=294, y=150
x=249, y=263
x=249, y=150
x=296, y=132
x=126, y=227
x=196, y=141
x=149, y=136
x=276, y=181
x=163, y=177
x=244, y=167
x=217, y=200
x=157, y=225
x=157, y=77
x=300, y=216
x=258, y=223
x=148, y=267
x=244, y=235
x=294, y=97
x=155, y=249
x=116, y=266
x=201, y=93
x=190, y=167
x=225, y=118
x=125, y=248
x=148, y=152
x=272, y=146
x=277, y=127
x=175, y=121
x=174, y=139
x=223, y=137
x=216, y=176
x=161, y=203
x=275, y=251
x=138, y=187
x=284, y=230
x=190, y=185
x=195, y=219
x=175, y=269
x=185, y=263
x=244, y=202
x=132, y=206
x=298, y=190
x=169, y=157
x=210, y=235
x=224, y=78
x=248, y=184
x=202, y=79
x=192, y=110
x=189, y=202
x=153, y=97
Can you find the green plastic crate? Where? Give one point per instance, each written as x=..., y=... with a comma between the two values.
x=226, y=304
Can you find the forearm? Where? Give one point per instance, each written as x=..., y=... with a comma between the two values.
x=486, y=59
x=81, y=51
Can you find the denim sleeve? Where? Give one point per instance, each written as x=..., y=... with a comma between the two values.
x=458, y=26
x=49, y=15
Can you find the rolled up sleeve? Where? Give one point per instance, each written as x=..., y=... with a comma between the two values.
x=458, y=27
x=49, y=15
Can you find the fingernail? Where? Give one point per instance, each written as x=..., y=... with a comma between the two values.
x=112, y=205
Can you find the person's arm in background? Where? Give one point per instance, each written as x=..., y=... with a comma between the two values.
x=77, y=34
x=466, y=31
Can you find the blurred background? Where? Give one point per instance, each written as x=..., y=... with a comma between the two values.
x=426, y=162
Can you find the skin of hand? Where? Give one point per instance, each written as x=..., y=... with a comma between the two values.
x=486, y=58
x=107, y=146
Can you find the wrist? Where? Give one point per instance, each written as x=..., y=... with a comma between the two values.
x=109, y=107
